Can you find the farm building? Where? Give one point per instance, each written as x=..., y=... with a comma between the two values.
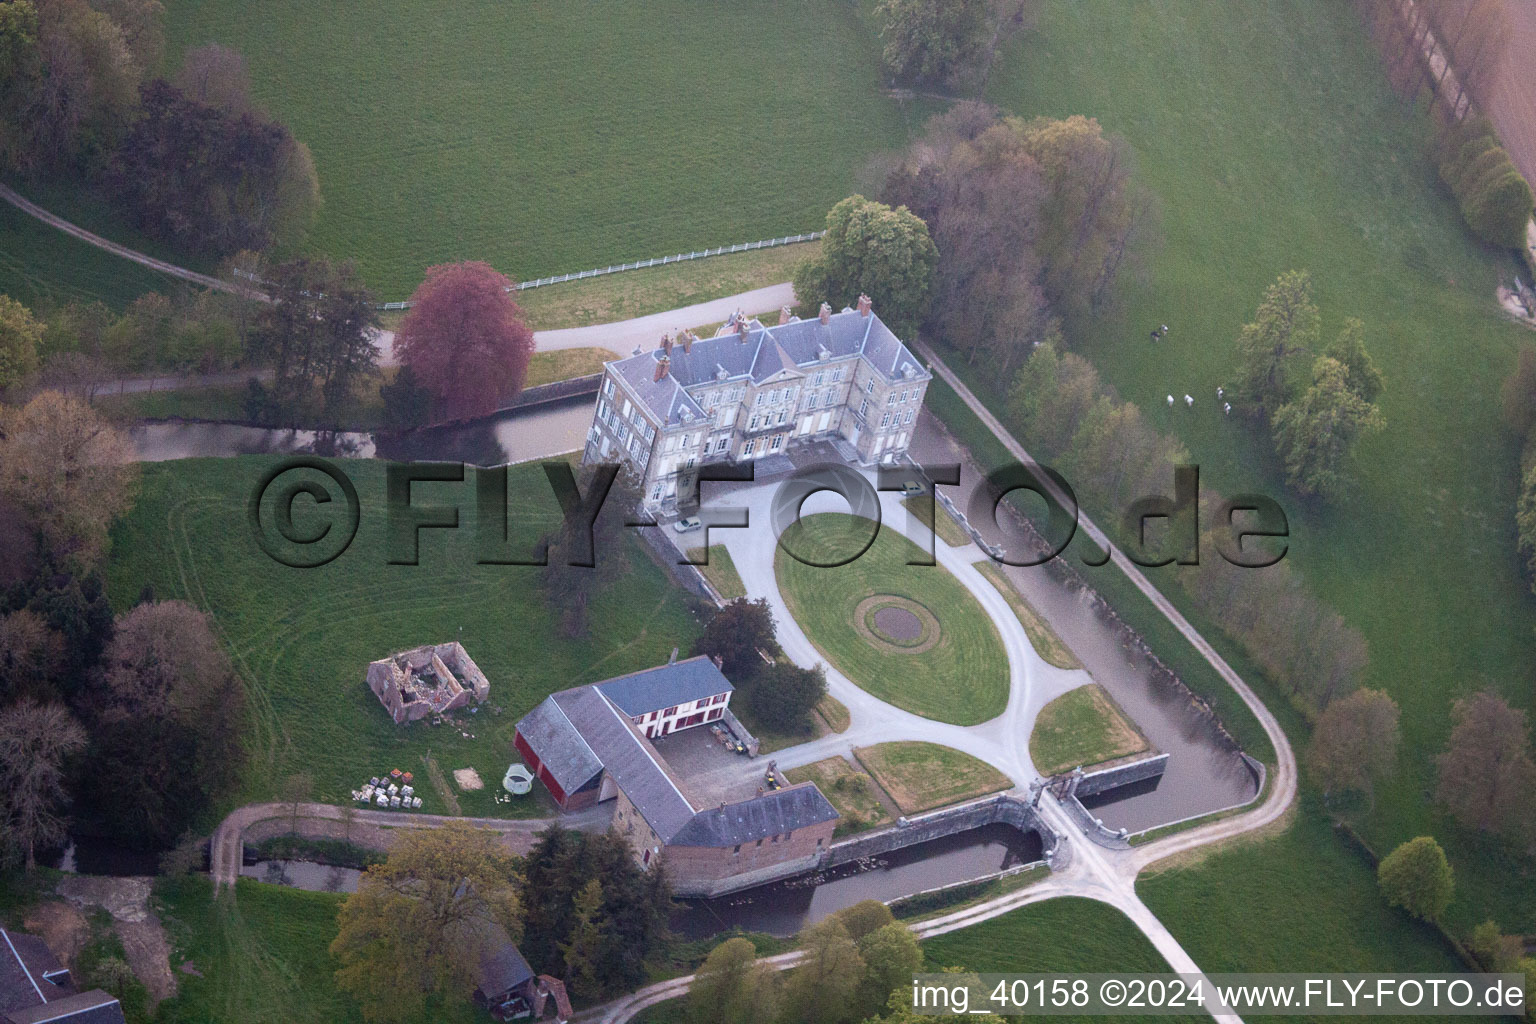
x=430, y=680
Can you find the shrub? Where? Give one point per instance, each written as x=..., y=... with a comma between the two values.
x=1417, y=877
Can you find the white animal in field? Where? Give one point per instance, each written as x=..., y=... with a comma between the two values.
x=1226, y=407
x=1170, y=401
x=1189, y=401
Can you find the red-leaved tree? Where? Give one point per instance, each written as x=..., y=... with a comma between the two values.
x=465, y=340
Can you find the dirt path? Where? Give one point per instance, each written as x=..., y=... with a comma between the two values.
x=134, y=923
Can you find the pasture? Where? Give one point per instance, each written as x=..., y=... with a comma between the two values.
x=546, y=138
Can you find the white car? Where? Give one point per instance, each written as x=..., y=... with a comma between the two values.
x=687, y=524
x=911, y=488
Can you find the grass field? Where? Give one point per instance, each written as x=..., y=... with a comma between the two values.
x=851, y=791
x=1082, y=727
x=601, y=300
x=720, y=571
x=302, y=638
x=41, y=266
x=948, y=530
x=1289, y=151
x=1299, y=901
x=922, y=776
x=962, y=679
x=1044, y=639
x=553, y=138
x=263, y=956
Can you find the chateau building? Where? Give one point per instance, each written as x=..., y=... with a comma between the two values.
x=752, y=391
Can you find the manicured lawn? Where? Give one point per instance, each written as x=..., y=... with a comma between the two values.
x=834, y=712
x=720, y=570
x=263, y=955
x=948, y=530
x=601, y=300
x=1068, y=935
x=565, y=363
x=302, y=638
x=1299, y=901
x=1046, y=643
x=851, y=791
x=552, y=138
x=922, y=776
x=1082, y=727
x=1268, y=135
x=963, y=678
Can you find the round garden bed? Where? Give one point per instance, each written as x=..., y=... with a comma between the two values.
x=896, y=624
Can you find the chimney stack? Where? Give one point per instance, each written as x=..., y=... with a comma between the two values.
x=864, y=305
x=718, y=660
x=663, y=365
x=666, y=343
x=783, y=315
x=825, y=315
x=688, y=338
x=741, y=325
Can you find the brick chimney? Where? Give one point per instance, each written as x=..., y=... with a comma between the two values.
x=666, y=344
x=864, y=305
x=688, y=338
x=741, y=326
x=783, y=315
x=825, y=314
x=663, y=366
x=718, y=660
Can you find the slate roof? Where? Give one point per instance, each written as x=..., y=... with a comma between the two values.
x=665, y=686
x=94, y=1007
x=763, y=352
x=630, y=759
x=775, y=813
x=561, y=749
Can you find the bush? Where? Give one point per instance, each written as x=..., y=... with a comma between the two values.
x=1495, y=199
x=1500, y=209
x=1417, y=877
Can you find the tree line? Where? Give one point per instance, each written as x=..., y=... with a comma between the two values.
x=191, y=161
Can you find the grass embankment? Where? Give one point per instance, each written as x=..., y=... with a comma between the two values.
x=922, y=776
x=1041, y=636
x=852, y=792
x=963, y=678
x=1301, y=157
x=606, y=159
x=263, y=957
x=632, y=293
x=302, y=638
x=834, y=712
x=1082, y=727
x=948, y=530
x=719, y=570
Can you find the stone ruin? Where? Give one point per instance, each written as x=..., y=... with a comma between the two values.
x=430, y=680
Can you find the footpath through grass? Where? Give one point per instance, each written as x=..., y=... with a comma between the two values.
x=962, y=678
x=302, y=638
x=1270, y=139
x=547, y=138
x=1082, y=727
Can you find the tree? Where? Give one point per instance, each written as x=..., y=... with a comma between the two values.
x=871, y=249
x=824, y=988
x=1417, y=877
x=575, y=573
x=1285, y=326
x=1498, y=953
x=865, y=917
x=317, y=332
x=1486, y=771
x=20, y=335
x=891, y=956
x=407, y=405
x=68, y=470
x=76, y=608
x=1360, y=373
x=30, y=652
x=931, y=41
x=297, y=790
x=732, y=987
x=582, y=950
x=1354, y=743
x=466, y=340
x=419, y=923
x=736, y=633
x=1315, y=434
x=35, y=742
x=216, y=76
x=168, y=715
x=782, y=696
x=199, y=177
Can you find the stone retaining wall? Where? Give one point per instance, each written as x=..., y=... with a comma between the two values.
x=554, y=392
x=993, y=810
x=1094, y=783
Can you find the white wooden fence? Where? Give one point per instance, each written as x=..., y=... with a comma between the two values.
x=767, y=243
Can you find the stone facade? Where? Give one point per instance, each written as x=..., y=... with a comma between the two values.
x=430, y=680
x=754, y=391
